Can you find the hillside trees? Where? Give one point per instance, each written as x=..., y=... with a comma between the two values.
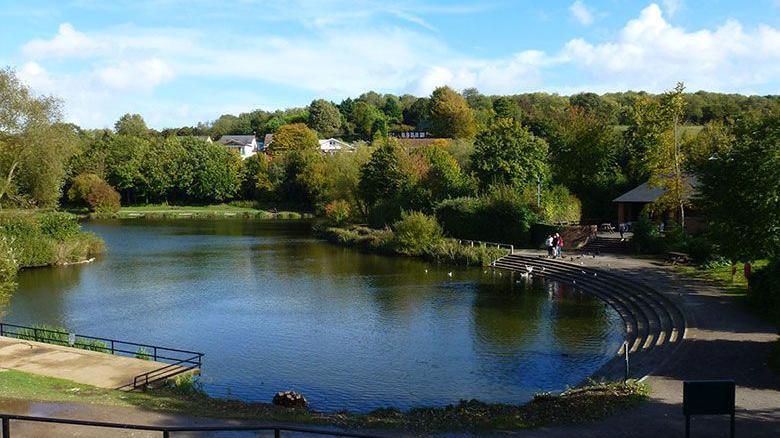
x=324, y=118
x=450, y=115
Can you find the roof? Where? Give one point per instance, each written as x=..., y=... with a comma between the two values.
x=268, y=139
x=646, y=194
x=240, y=140
x=333, y=144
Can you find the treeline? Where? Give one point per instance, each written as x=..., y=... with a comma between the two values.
x=360, y=118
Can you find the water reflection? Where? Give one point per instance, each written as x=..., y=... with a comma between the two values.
x=274, y=308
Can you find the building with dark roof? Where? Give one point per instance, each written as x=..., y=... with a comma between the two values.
x=245, y=145
x=630, y=205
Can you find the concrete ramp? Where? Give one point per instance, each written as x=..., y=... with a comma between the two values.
x=88, y=367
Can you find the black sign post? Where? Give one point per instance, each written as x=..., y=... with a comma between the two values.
x=708, y=397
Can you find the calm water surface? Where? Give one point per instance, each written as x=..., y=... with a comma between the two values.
x=273, y=308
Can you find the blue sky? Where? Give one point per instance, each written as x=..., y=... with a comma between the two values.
x=181, y=62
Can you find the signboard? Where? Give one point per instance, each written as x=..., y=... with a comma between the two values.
x=708, y=397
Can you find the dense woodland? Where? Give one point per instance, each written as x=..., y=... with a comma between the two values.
x=498, y=163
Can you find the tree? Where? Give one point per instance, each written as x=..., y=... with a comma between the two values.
x=645, y=128
x=295, y=136
x=416, y=114
x=211, y=173
x=507, y=153
x=506, y=107
x=665, y=158
x=34, y=146
x=739, y=191
x=444, y=178
x=584, y=158
x=450, y=115
x=324, y=118
x=382, y=182
x=132, y=125
x=392, y=110
x=367, y=120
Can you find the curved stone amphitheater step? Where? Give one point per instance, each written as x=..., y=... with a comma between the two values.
x=652, y=321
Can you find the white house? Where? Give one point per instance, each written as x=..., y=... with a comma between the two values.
x=330, y=145
x=245, y=145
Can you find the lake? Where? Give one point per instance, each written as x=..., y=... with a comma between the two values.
x=274, y=308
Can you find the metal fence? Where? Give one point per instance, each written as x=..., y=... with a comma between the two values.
x=179, y=361
x=168, y=431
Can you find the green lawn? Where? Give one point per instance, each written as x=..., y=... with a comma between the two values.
x=578, y=405
x=721, y=276
x=165, y=211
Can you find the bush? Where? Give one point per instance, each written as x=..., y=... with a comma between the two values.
x=40, y=239
x=764, y=292
x=8, y=264
x=81, y=188
x=103, y=199
x=700, y=249
x=416, y=233
x=500, y=216
x=646, y=238
x=58, y=226
x=337, y=213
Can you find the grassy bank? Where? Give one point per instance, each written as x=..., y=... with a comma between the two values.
x=573, y=406
x=30, y=238
x=384, y=242
x=221, y=211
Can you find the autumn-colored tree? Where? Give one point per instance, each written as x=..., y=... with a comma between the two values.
x=450, y=115
x=293, y=137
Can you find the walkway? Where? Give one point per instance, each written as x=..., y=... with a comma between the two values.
x=722, y=341
x=82, y=366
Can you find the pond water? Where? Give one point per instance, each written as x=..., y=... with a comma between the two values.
x=273, y=308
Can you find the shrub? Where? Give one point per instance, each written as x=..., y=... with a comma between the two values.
x=103, y=199
x=646, y=238
x=500, y=216
x=58, y=226
x=764, y=292
x=700, y=249
x=8, y=264
x=416, y=233
x=81, y=188
x=337, y=213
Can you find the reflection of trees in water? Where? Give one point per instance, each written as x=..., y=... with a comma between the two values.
x=576, y=316
x=40, y=294
x=506, y=319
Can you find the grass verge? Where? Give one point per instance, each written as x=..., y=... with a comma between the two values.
x=573, y=406
x=164, y=211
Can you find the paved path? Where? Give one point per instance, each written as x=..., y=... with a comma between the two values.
x=723, y=341
x=82, y=366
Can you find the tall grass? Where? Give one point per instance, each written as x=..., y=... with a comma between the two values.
x=59, y=336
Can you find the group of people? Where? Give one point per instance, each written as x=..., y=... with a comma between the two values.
x=554, y=244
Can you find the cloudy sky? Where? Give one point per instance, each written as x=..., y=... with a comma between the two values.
x=180, y=62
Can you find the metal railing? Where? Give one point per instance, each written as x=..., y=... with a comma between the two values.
x=168, y=430
x=179, y=361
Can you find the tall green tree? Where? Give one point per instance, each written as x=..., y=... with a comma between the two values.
x=666, y=159
x=739, y=191
x=450, y=115
x=507, y=153
x=382, y=184
x=367, y=120
x=211, y=173
x=324, y=118
x=34, y=145
x=132, y=125
x=506, y=107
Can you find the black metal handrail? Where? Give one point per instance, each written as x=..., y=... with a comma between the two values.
x=166, y=430
x=179, y=361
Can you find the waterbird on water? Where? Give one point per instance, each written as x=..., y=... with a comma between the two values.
x=449, y=274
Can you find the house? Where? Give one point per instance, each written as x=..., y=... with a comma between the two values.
x=631, y=204
x=331, y=145
x=327, y=146
x=245, y=145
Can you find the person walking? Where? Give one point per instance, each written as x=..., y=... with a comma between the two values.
x=556, y=237
x=548, y=243
x=560, y=246
x=621, y=230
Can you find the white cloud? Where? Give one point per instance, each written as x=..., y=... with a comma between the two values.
x=581, y=13
x=121, y=69
x=143, y=75
x=672, y=7
x=649, y=53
